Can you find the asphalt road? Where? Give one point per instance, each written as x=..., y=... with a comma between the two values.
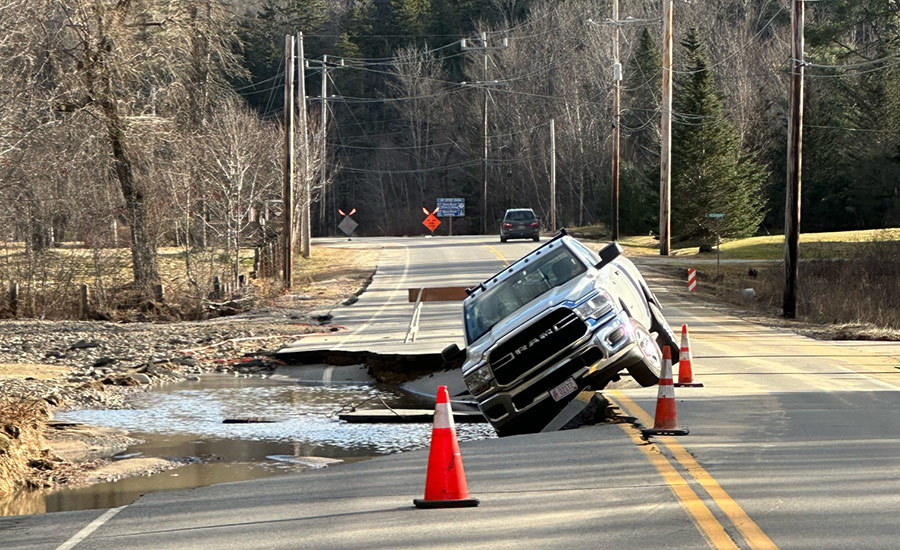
x=794, y=444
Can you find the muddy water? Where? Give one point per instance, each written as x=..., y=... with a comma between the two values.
x=184, y=421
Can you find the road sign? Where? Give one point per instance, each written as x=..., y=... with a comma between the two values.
x=451, y=208
x=692, y=279
x=716, y=216
x=347, y=225
x=431, y=222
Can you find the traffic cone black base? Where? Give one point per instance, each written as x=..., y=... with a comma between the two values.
x=461, y=503
x=654, y=431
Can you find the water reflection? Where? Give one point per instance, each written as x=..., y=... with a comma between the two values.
x=185, y=420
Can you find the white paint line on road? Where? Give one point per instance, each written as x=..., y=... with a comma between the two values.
x=90, y=528
x=381, y=309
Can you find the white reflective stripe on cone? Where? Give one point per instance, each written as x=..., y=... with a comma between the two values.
x=666, y=392
x=443, y=418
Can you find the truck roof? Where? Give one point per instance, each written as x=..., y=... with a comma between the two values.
x=512, y=268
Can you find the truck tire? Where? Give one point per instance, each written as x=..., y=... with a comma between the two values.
x=645, y=369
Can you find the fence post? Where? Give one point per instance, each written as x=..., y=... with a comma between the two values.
x=85, y=302
x=14, y=298
x=217, y=286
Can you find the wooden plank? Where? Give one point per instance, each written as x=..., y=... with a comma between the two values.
x=405, y=416
x=439, y=294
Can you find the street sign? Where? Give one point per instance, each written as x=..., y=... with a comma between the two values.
x=431, y=222
x=347, y=225
x=451, y=208
x=716, y=216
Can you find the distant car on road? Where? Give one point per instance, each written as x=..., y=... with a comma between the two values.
x=557, y=321
x=520, y=223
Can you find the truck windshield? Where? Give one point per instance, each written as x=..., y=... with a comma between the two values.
x=536, y=277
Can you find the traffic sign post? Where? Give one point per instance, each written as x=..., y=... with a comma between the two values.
x=718, y=218
x=451, y=208
x=431, y=221
x=347, y=225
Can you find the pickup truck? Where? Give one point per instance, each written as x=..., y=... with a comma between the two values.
x=559, y=320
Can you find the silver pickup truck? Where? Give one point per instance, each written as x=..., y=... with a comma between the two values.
x=558, y=320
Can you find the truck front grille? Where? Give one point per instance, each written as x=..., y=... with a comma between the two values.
x=542, y=340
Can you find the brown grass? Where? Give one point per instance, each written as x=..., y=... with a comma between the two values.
x=857, y=297
x=54, y=291
x=21, y=440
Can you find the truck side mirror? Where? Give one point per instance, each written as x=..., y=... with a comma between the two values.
x=450, y=352
x=609, y=253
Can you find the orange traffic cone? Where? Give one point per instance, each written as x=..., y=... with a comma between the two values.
x=665, y=422
x=445, y=484
x=685, y=369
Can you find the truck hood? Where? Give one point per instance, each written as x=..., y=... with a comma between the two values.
x=573, y=291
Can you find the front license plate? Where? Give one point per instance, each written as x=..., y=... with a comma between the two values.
x=566, y=388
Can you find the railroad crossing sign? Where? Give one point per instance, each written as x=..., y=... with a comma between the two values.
x=451, y=208
x=347, y=225
x=431, y=221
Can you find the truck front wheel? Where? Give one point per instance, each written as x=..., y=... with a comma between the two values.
x=645, y=368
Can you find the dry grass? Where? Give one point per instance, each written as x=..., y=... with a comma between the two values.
x=854, y=297
x=840, y=244
x=55, y=290
x=21, y=440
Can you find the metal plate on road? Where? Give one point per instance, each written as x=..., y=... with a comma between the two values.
x=566, y=388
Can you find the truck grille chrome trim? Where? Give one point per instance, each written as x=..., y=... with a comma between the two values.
x=537, y=343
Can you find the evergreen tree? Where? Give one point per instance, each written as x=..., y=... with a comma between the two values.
x=710, y=173
x=263, y=39
x=639, y=178
x=640, y=116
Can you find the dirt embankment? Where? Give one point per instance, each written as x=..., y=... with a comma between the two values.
x=60, y=365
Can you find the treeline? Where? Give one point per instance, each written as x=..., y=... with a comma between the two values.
x=163, y=116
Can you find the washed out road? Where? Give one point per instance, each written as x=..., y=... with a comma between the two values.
x=794, y=444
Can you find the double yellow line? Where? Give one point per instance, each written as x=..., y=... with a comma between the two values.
x=718, y=538
x=498, y=254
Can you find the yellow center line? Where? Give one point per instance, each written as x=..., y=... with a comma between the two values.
x=710, y=527
x=751, y=532
x=497, y=252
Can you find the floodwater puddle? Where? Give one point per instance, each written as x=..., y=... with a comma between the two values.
x=184, y=421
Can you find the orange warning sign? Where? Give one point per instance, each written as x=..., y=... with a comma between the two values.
x=431, y=222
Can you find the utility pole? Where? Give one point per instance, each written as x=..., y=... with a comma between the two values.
x=323, y=203
x=305, y=194
x=484, y=48
x=617, y=79
x=553, y=175
x=287, y=189
x=794, y=157
x=665, y=131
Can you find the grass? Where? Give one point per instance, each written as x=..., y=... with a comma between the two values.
x=839, y=244
x=50, y=282
x=21, y=440
x=832, y=245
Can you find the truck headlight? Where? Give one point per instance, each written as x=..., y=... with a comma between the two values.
x=479, y=380
x=595, y=307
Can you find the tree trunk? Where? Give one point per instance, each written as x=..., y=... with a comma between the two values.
x=143, y=251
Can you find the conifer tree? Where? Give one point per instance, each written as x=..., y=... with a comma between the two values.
x=639, y=181
x=710, y=172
